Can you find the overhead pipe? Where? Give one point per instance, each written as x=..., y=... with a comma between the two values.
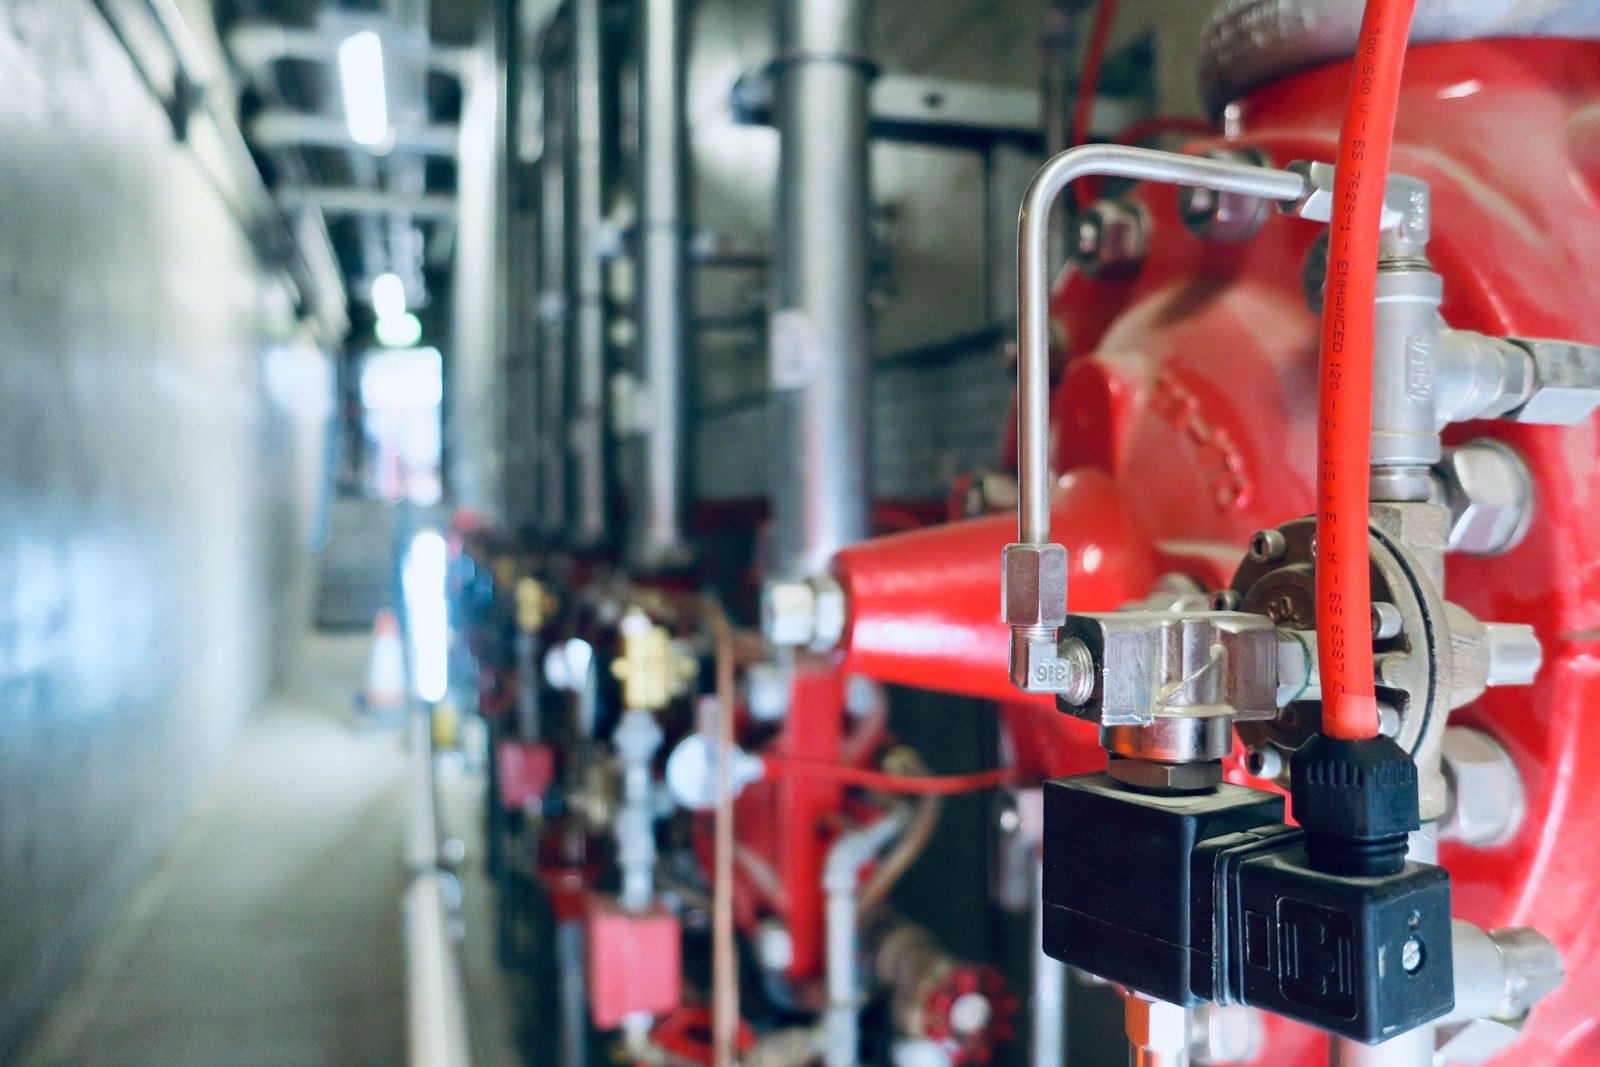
x=554, y=344
x=821, y=331
x=255, y=46
x=658, y=522
x=281, y=128
x=334, y=200
x=586, y=208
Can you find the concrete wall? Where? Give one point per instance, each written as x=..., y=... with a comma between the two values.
x=159, y=447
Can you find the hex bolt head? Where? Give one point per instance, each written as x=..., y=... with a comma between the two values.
x=1486, y=800
x=1226, y=217
x=1515, y=654
x=1489, y=490
x=1112, y=238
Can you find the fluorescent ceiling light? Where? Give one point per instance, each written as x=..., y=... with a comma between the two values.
x=388, y=296
x=366, y=99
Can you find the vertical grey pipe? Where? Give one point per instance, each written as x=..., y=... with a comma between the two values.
x=1049, y=1007
x=586, y=206
x=821, y=334
x=658, y=520
x=1059, y=58
x=573, y=991
x=553, y=347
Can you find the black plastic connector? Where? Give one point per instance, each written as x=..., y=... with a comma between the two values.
x=1210, y=897
x=1357, y=802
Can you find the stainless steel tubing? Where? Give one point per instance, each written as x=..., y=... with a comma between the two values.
x=658, y=535
x=1414, y=1049
x=821, y=336
x=1033, y=244
x=586, y=203
x=1048, y=1047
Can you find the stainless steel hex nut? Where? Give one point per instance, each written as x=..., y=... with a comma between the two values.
x=1485, y=789
x=1224, y=1034
x=1156, y=1025
x=1166, y=777
x=1035, y=589
x=831, y=615
x=1227, y=217
x=788, y=613
x=1112, y=238
x=1316, y=201
x=1566, y=382
x=1489, y=490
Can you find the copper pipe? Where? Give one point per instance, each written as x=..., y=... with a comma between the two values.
x=724, y=954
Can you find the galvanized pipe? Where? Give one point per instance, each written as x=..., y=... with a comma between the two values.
x=1049, y=1007
x=658, y=523
x=573, y=991
x=1033, y=242
x=1413, y=1049
x=553, y=269
x=841, y=875
x=821, y=333
x=586, y=207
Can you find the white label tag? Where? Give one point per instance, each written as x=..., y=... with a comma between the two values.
x=794, y=351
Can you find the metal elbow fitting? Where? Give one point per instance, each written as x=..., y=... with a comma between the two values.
x=806, y=613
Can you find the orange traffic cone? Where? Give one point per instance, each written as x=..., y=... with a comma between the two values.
x=386, y=667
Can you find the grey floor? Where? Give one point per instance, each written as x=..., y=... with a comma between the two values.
x=271, y=933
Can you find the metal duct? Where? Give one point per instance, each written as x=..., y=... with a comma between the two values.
x=658, y=520
x=1249, y=43
x=821, y=333
x=586, y=207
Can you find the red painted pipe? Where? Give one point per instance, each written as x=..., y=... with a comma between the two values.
x=925, y=606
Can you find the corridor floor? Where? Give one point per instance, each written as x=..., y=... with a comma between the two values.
x=271, y=933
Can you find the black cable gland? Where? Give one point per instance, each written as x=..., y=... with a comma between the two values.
x=1357, y=802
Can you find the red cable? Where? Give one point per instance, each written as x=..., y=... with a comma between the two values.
x=1093, y=58
x=1089, y=84
x=1344, y=593
x=942, y=786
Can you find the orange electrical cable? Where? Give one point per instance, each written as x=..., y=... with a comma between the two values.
x=1344, y=593
x=936, y=785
